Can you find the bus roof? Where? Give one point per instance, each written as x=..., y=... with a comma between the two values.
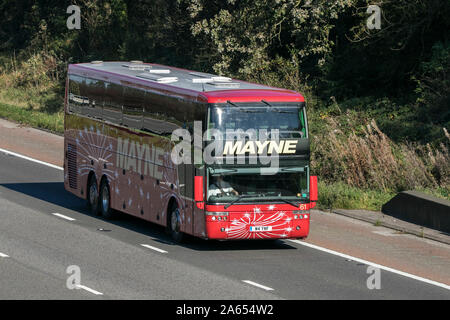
x=193, y=85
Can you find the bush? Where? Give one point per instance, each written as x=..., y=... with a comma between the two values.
x=366, y=158
x=35, y=82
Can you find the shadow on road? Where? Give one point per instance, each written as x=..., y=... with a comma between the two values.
x=55, y=194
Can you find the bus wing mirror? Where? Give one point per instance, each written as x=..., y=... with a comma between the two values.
x=313, y=192
x=198, y=189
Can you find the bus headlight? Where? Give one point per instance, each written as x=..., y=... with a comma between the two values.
x=216, y=216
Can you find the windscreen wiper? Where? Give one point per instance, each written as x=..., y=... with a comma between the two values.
x=288, y=202
x=239, y=199
x=274, y=108
x=245, y=196
x=281, y=199
x=258, y=195
x=236, y=106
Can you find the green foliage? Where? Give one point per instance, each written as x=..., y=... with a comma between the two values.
x=342, y=196
x=252, y=36
x=373, y=62
x=433, y=86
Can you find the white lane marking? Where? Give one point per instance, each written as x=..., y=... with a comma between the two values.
x=79, y=286
x=2, y=255
x=257, y=285
x=63, y=216
x=154, y=248
x=345, y=256
x=31, y=159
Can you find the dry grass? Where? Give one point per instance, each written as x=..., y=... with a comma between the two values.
x=33, y=83
x=370, y=160
x=31, y=91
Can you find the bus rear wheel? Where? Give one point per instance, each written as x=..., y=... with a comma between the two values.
x=92, y=195
x=105, y=201
x=175, y=225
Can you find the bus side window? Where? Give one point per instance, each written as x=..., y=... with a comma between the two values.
x=75, y=100
x=112, y=108
x=158, y=117
x=96, y=91
x=133, y=101
x=84, y=94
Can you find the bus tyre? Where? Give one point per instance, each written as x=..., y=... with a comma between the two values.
x=175, y=225
x=105, y=201
x=92, y=195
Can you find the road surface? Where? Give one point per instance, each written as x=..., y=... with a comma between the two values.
x=44, y=230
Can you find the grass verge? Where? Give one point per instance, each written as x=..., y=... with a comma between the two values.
x=342, y=196
x=33, y=118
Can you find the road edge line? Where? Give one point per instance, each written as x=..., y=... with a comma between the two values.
x=376, y=265
x=31, y=159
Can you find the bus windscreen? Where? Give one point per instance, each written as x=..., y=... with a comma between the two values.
x=227, y=184
x=288, y=120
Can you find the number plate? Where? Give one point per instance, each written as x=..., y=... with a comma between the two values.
x=260, y=228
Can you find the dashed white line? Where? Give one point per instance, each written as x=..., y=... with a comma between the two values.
x=79, y=286
x=345, y=256
x=257, y=285
x=31, y=159
x=2, y=255
x=63, y=216
x=154, y=248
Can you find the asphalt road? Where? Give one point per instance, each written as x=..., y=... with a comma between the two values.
x=40, y=246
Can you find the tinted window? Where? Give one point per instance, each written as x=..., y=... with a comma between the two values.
x=95, y=92
x=159, y=114
x=75, y=99
x=287, y=119
x=112, y=105
x=84, y=93
x=133, y=102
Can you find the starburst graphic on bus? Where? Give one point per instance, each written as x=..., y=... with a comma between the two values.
x=278, y=226
x=92, y=144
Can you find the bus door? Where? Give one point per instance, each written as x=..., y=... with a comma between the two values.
x=199, y=213
x=185, y=178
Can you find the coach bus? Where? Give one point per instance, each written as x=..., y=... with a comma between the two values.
x=119, y=123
